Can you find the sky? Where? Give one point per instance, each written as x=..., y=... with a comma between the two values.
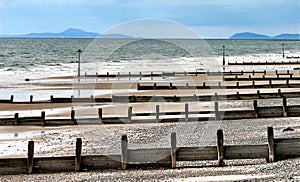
x=208, y=18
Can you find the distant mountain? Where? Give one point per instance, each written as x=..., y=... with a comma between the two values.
x=69, y=33
x=288, y=36
x=249, y=35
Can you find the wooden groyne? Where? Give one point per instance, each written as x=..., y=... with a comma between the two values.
x=263, y=63
x=276, y=149
x=185, y=115
x=157, y=98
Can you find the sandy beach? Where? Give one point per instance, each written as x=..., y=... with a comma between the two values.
x=105, y=139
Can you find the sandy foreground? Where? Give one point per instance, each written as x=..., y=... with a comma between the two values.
x=105, y=139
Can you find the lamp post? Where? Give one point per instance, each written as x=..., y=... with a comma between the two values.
x=223, y=55
x=283, y=51
x=79, y=53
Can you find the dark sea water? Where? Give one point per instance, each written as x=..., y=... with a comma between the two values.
x=24, y=53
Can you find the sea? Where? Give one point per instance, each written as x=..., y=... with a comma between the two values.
x=34, y=58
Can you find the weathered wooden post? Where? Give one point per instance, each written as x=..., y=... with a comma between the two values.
x=204, y=86
x=253, y=83
x=173, y=150
x=271, y=145
x=270, y=83
x=154, y=86
x=237, y=95
x=287, y=83
x=255, y=108
x=78, y=155
x=220, y=147
x=216, y=96
x=285, y=108
x=72, y=117
x=237, y=85
x=258, y=94
x=124, y=145
x=138, y=86
x=216, y=110
x=12, y=99
x=157, y=113
x=30, y=156
x=279, y=92
x=16, y=119
x=100, y=115
x=129, y=114
x=31, y=98
x=43, y=114
x=186, y=110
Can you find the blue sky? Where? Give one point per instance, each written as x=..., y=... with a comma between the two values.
x=209, y=18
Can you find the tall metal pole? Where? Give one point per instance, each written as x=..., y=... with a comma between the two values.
x=283, y=51
x=223, y=55
x=79, y=53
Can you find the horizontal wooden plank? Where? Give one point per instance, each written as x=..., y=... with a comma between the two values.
x=13, y=166
x=140, y=156
x=101, y=162
x=197, y=153
x=54, y=164
x=246, y=152
x=243, y=114
x=269, y=112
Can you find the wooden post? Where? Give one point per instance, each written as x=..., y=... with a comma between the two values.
x=16, y=119
x=270, y=83
x=43, y=123
x=271, y=145
x=265, y=72
x=78, y=155
x=124, y=144
x=253, y=72
x=30, y=156
x=287, y=83
x=285, y=108
x=279, y=92
x=220, y=148
x=31, y=98
x=100, y=114
x=72, y=117
x=12, y=99
x=253, y=83
x=237, y=85
x=186, y=110
x=157, y=113
x=255, y=108
x=237, y=95
x=204, y=85
x=216, y=96
x=276, y=72
x=129, y=114
x=174, y=98
x=258, y=94
x=171, y=85
x=173, y=150
x=154, y=86
x=138, y=86
x=51, y=98
x=216, y=110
